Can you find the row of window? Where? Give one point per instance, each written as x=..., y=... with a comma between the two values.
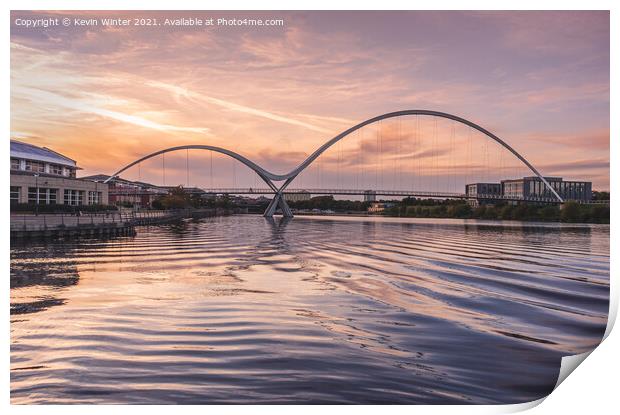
x=39, y=167
x=513, y=189
x=48, y=196
x=570, y=189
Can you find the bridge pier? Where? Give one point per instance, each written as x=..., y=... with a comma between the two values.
x=278, y=201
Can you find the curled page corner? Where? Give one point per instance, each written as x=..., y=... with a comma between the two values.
x=521, y=407
x=569, y=364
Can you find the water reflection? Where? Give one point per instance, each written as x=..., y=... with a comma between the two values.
x=245, y=309
x=43, y=280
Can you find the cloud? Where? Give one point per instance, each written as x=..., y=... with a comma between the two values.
x=233, y=106
x=278, y=94
x=598, y=140
x=576, y=165
x=62, y=101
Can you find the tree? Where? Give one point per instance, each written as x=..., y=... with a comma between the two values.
x=177, y=198
x=506, y=212
x=462, y=211
x=600, y=195
x=549, y=213
x=569, y=212
x=600, y=214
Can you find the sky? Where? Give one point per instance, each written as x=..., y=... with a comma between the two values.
x=106, y=96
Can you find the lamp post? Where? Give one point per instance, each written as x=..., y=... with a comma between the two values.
x=36, y=205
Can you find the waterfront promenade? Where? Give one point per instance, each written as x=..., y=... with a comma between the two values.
x=96, y=224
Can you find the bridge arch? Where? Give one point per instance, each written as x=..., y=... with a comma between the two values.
x=262, y=173
x=289, y=177
x=269, y=177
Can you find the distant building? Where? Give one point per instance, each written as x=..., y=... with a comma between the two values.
x=42, y=176
x=370, y=196
x=302, y=196
x=530, y=188
x=129, y=193
x=483, y=193
x=378, y=207
x=533, y=188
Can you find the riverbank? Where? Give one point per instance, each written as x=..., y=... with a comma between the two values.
x=569, y=212
x=120, y=223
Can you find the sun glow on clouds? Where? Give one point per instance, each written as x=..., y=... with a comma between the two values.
x=56, y=100
x=183, y=92
x=106, y=96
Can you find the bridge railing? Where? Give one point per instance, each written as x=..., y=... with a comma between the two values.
x=366, y=192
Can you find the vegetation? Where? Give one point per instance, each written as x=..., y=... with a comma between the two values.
x=329, y=203
x=179, y=198
x=571, y=212
x=600, y=195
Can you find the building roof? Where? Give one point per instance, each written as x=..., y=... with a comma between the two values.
x=32, y=152
x=119, y=182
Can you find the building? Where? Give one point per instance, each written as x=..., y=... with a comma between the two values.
x=370, y=196
x=302, y=196
x=483, y=193
x=378, y=207
x=530, y=188
x=44, y=177
x=533, y=188
x=128, y=193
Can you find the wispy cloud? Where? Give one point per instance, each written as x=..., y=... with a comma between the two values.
x=84, y=107
x=183, y=92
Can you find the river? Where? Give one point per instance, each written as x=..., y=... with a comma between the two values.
x=241, y=309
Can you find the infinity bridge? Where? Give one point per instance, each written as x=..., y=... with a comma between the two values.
x=433, y=160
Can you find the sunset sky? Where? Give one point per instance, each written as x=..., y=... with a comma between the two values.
x=108, y=95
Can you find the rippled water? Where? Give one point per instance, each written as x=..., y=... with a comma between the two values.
x=314, y=310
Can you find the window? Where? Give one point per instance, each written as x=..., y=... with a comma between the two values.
x=73, y=197
x=94, y=198
x=55, y=169
x=67, y=172
x=44, y=195
x=15, y=193
x=35, y=166
x=15, y=164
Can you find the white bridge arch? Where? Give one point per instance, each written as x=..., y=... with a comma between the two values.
x=269, y=177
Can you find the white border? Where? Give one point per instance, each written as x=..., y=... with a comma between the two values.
x=592, y=389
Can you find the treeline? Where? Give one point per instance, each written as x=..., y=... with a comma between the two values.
x=329, y=203
x=179, y=198
x=597, y=195
x=570, y=212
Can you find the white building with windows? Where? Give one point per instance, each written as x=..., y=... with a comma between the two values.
x=42, y=176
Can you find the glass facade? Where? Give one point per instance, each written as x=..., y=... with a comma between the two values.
x=41, y=167
x=35, y=166
x=94, y=198
x=537, y=189
x=15, y=194
x=73, y=197
x=42, y=195
x=55, y=169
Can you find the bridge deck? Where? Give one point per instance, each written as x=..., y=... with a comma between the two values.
x=369, y=192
